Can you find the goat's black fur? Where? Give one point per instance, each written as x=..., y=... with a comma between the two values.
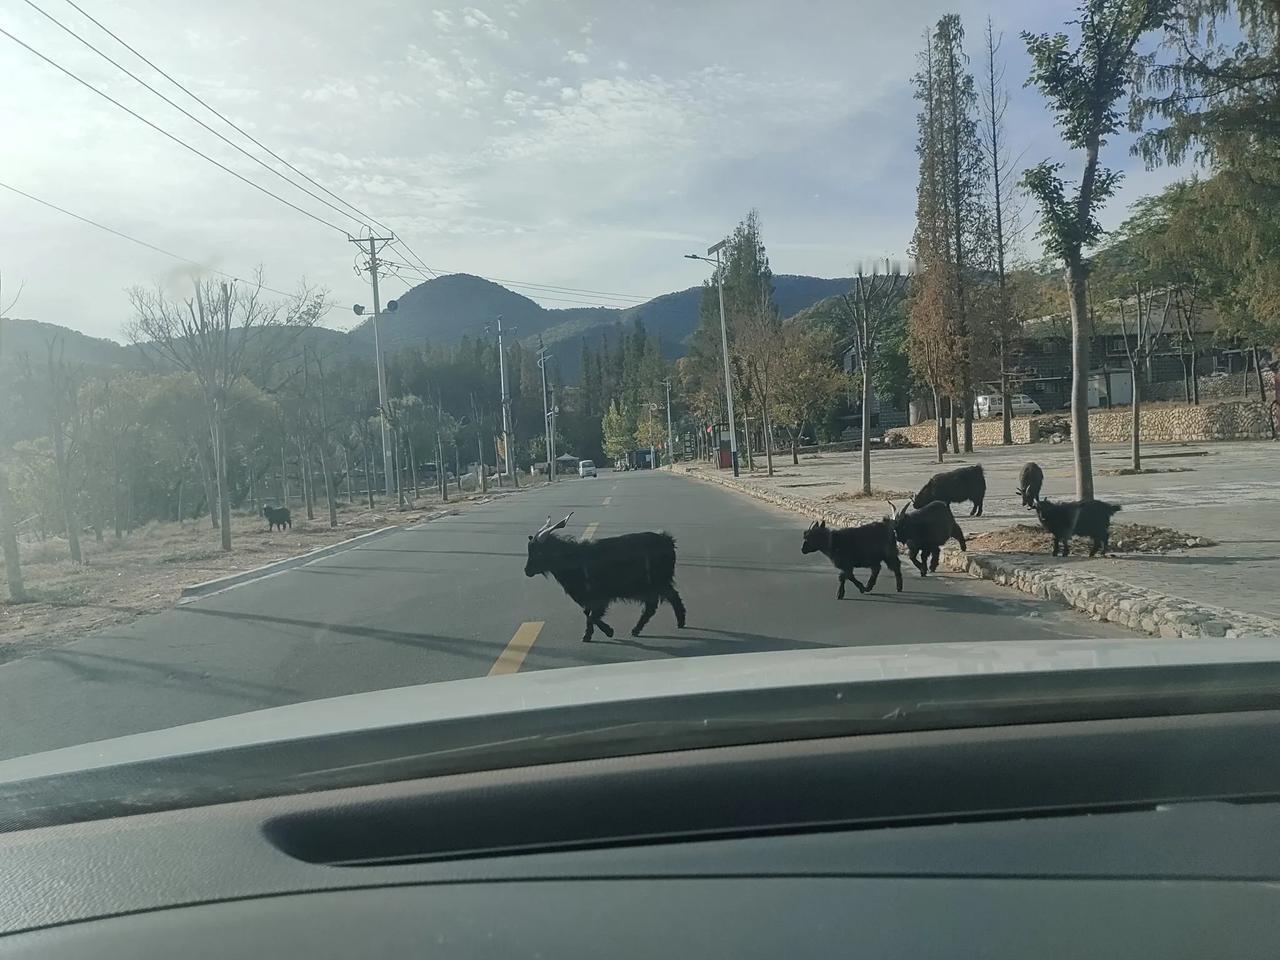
x=867, y=546
x=955, y=486
x=595, y=573
x=924, y=531
x=277, y=517
x=1030, y=480
x=1078, y=518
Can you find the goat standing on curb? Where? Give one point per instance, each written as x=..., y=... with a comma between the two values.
x=867, y=546
x=595, y=573
x=1078, y=518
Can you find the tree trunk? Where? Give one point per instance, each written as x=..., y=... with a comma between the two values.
x=284, y=478
x=9, y=543
x=866, y=431
x=181, y=518
x=1195, y=376
x=768, y=430
x=955, y=426
x=443, y=480
x=484, y=480
x=795, y=447
x=1186, y=374
x=206, y=477
x=1257, y=369
x=368, y=481
x=308, y=480
x=116, y=526
x=346, y=464
x=1077, y=287
x=413, y=469
x=397, y=468
x=746, y=436
x=330, y=494
x=224, y=491
x=968, y=418
x=1136, y=410
x=65, y=494
x=1006, y=398
x=457, y=467
x=941, y=432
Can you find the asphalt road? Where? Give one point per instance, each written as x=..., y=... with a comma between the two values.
x=449, y=599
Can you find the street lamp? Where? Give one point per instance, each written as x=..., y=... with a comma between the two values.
x=358, y=310
x=724, y=347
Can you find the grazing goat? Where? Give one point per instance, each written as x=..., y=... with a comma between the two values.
x=1078, y=518
x=955, y=486
x=277, y=517
x=1030, y=480
x=595, y=573
x=924, y=531
x=866, y=546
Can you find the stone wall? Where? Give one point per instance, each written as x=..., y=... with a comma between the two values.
x=1217, y=386
x=1232, y=420
x=1173, y=423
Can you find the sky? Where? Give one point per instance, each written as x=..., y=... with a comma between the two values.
x=572, y=144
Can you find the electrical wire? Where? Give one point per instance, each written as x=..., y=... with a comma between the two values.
x=225, y=119
x=124, y=236
x=550, y=288
x=175, y=139
x=187, y=113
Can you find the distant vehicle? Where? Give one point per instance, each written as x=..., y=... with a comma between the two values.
x=586, y=468
x=991, y=405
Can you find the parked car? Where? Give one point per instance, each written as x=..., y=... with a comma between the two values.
x=586, y=468
x=991, y=405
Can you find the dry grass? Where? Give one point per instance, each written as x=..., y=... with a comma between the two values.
x=145, y=572
x=875, y=494
x=1125, y=538
x=1130, y=472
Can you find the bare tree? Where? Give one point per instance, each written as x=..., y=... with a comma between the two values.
x=213, y=335
x=8, y=533
x=867, y=308
x=1146, y=333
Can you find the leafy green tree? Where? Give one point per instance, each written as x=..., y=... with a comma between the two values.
x=619, y=432
x=1084, y=85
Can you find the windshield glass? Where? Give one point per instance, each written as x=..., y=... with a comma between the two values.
x=355, y=347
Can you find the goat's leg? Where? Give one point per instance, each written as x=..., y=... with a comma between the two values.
x=597, y=616
x=958, y=535
x=591, y=627
x=871, y=580
x=650, y=608
x=934, y=554
x=1094, y=545
x=916, y=561
x=677, y=604
x=895, y=565
x=840, y=589
x=977, y=509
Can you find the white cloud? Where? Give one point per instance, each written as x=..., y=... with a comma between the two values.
x=443, y=19
x=333, y=90
x=576, y=56
x=621, y=66
x=479, y=20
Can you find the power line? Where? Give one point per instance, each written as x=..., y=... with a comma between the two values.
x=367, y=216
x=182, y=143
x=186, y=113
x=125, y=236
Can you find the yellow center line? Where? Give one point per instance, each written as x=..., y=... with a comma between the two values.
x=590, y=531
x=518, y=648
x=608, y=500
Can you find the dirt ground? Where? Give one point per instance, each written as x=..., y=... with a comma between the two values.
x=876, y=494
x=1125, y=538
x=145, y=572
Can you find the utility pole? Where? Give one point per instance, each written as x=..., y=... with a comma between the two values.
x=377, y=348
x=506, y=408
x=548, y=423
x=724, y=348
x=671, y=444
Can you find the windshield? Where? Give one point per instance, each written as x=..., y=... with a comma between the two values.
x=372, y=346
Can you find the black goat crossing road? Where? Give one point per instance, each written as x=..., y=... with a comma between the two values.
x=446, y=600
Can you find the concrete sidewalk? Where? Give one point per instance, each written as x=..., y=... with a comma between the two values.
x=1226, y=491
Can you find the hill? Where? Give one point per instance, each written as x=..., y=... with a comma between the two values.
x=447, y=308
x=19, y=337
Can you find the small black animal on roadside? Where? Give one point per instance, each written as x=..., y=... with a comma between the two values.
x=277, y=517
x=639, y=567
x=924, y=531
x=1078, y=518
x=955, y=486
x=1030, y=480
x=867, y=546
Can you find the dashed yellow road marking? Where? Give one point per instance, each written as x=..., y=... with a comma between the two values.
x=608, y=500
x=590, y=531
x=518, y=648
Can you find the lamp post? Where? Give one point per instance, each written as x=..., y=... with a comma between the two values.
x=724, y=346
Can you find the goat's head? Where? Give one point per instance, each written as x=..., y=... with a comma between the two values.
x=540, y=553
x=816, y=537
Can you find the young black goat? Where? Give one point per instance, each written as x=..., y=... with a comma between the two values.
x=595, y=573
x=955, y=486
x=1078, y=518
x=1030, y=480
x=924, y=531
x=277, y=517
x=867, y=546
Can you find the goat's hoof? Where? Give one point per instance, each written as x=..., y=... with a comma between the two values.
x=607, y=632
x=635, y=633
x=586, y=639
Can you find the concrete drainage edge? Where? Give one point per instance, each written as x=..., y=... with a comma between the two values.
x=1146, y=611
x=197, y=590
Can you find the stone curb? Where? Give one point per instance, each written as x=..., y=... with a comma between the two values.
x=1100, y=597
x=197, y=590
